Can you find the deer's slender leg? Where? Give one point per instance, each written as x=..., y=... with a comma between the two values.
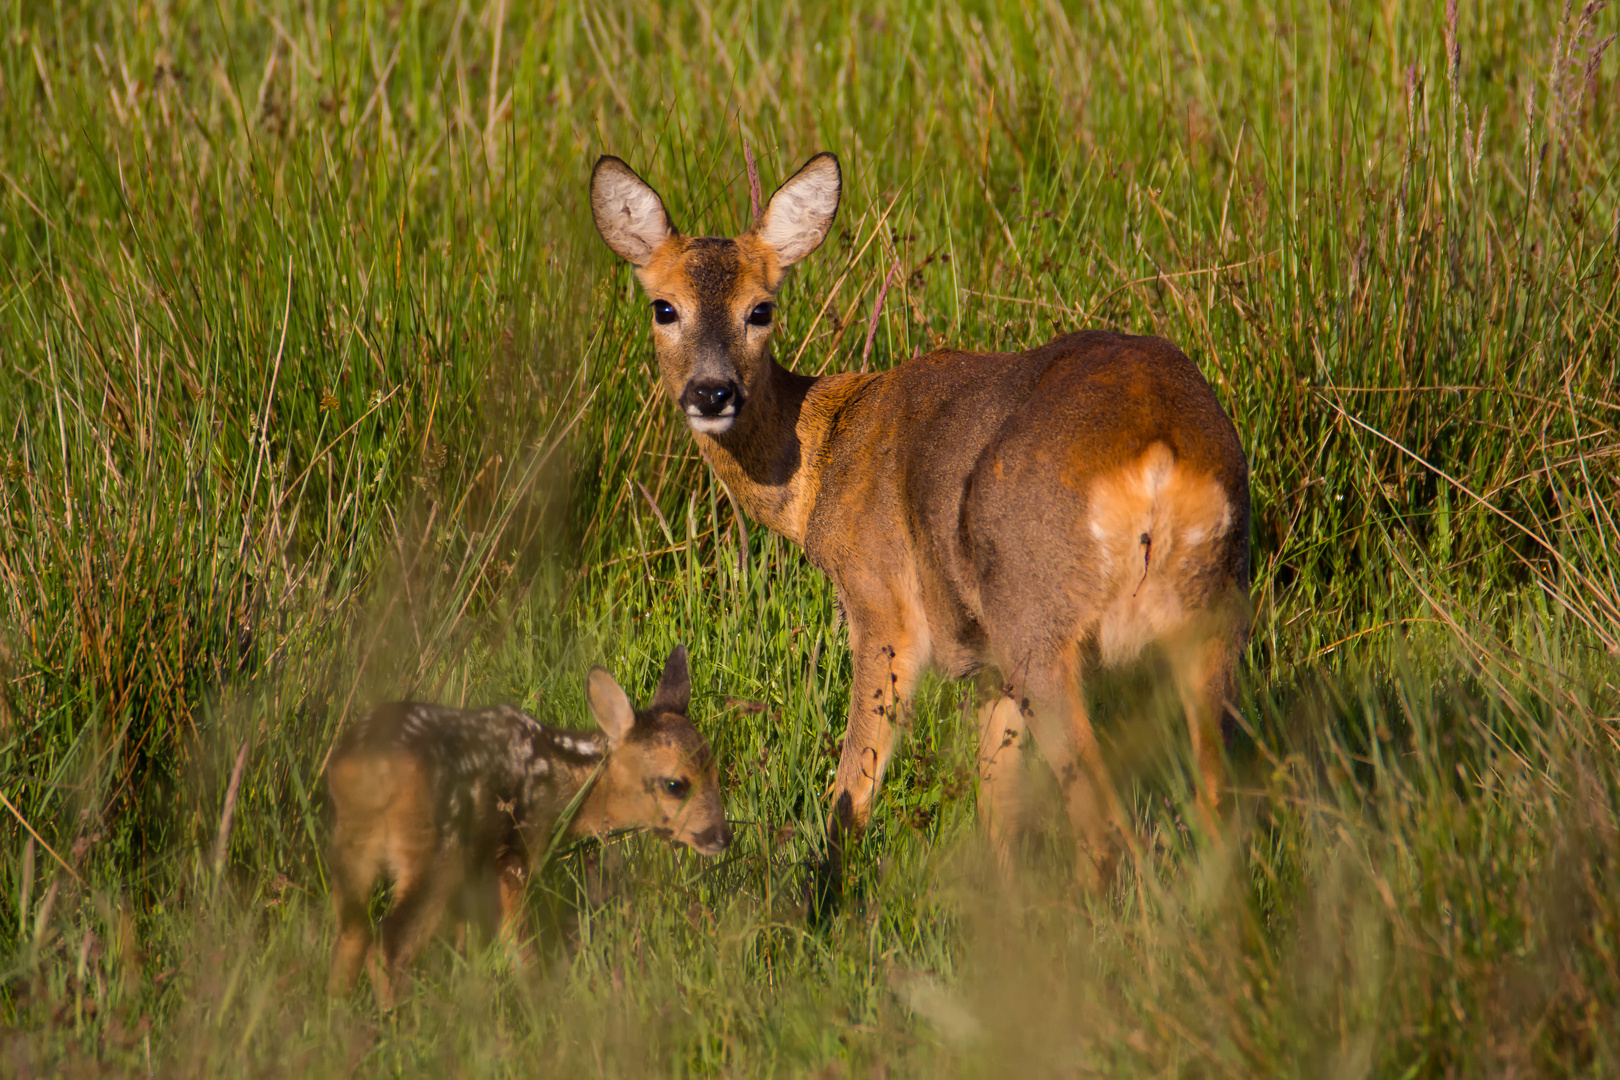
x=1001, y=773
x=1062, y=728
x=1204, y=678
x=886, y=667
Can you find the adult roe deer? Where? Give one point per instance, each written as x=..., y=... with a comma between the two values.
x=1038, y=513
x=454, y=805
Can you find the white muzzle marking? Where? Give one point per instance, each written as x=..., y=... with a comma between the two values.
x=712, y=425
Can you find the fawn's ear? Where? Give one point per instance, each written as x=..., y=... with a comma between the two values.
x=629, y=214
x=675, y=688
x=800, y=214
x=610, y=705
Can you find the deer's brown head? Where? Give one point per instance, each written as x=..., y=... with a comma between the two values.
x=660, y=773
x=714, y=299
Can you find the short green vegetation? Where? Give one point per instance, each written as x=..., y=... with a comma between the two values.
x=318, y=389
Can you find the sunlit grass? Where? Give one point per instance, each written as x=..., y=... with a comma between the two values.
x=319, y=390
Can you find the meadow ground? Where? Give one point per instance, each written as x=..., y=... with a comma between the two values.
x=319, y=389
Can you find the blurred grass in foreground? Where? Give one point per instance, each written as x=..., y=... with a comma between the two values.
x=319, y=389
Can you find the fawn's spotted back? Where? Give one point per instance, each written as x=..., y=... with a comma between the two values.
x=469, y=757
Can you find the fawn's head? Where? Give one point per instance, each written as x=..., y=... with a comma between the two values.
x=714, y=299
x=659, y=773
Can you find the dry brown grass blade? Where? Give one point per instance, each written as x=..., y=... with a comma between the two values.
x=877, y=312
x=755, y=201
x=222, y=840
x=35, y=834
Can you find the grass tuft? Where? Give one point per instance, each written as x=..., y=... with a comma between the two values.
x=320, y=390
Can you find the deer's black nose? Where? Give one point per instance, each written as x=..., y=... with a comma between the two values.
x=711, y=398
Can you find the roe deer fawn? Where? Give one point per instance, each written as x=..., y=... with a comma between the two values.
x=1039, y=513
x=454, y=805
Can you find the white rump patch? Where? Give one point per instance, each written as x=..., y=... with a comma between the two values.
x=1155, y=524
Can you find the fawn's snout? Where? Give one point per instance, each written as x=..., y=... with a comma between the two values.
x=695, y=818
x=700, y=822
x=713, y=840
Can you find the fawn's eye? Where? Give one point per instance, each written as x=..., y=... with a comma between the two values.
x=677, y=787
x=664, y=311
x=761, y=315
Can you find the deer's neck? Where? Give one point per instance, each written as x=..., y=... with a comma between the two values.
x=584, y=772
x=770, y=459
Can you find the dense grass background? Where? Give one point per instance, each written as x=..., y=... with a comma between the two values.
x=319, y=389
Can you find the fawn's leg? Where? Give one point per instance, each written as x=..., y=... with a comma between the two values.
x=514, y=865
x=515, y=932
x=480, y=898
x=354, y=872
x=420, y=899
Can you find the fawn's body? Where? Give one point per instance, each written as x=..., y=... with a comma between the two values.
x=453, y=806
x=1038, y=513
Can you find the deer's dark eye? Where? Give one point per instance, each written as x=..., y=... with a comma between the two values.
x=664, y=311
x=677, y=787
x=761, y=315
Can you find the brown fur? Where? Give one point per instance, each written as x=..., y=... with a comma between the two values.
x=454, y=806
x=1039, y=514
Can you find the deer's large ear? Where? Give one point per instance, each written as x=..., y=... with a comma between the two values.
x=675, y=688
x=800, y=214
x=629, y=214
x=610, y=705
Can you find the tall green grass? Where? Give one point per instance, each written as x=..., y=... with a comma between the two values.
x=320, y=390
